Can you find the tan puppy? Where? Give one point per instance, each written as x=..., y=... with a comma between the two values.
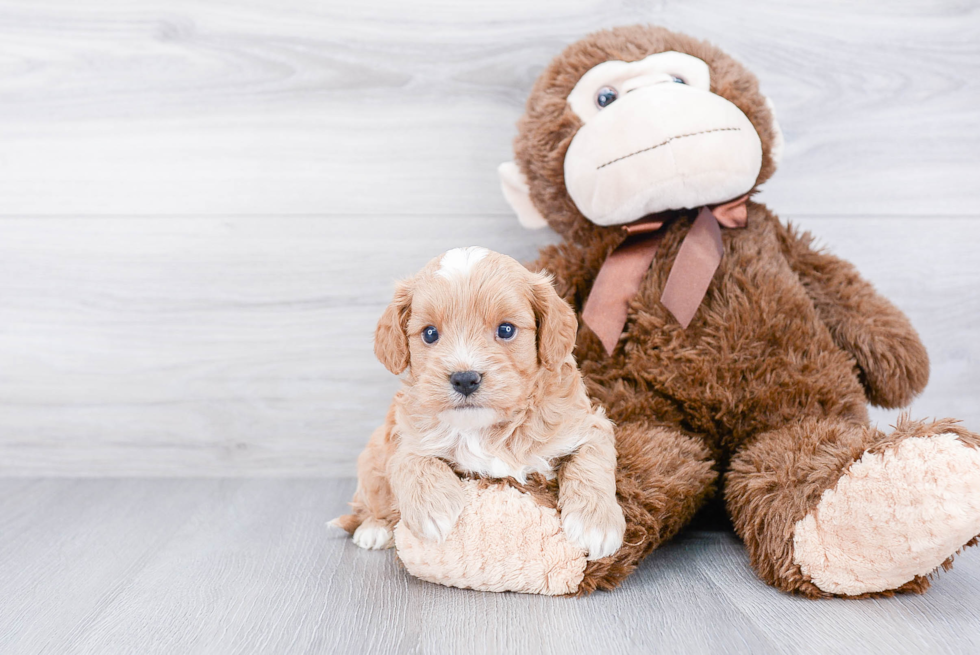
x=491, y=390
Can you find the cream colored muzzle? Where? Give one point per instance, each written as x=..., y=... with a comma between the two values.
x=661, y=146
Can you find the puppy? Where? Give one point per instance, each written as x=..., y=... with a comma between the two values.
x=491, y=390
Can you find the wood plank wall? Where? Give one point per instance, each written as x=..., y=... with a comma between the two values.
x=203, y=204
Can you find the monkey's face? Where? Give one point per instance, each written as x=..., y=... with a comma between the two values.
x=654, y=137
x=634, y=121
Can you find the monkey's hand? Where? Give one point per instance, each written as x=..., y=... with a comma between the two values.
x=893, y=363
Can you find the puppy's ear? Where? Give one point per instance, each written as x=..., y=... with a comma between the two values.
x=557, y=325
x=390, y=339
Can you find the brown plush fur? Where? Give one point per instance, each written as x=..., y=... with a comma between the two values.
x=548, y=124
x=779, y=478
x=769, y=383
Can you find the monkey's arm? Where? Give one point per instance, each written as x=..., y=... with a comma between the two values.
x=893, y=362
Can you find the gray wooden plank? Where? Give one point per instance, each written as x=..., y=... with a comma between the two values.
x=224, y=346
x=182, y=107
x=905, y=624
x=248, y=566
x=204, y=346
x=68, y=547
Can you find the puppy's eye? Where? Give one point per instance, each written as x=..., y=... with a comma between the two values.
x=430, y=334
x=506, y=331
x=677, y=79
x=606, y=96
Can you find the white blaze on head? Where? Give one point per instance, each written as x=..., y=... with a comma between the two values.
x=460, y=261
x=665, y=142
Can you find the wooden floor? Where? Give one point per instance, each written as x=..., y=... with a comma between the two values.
x=248, y=566
x=203, y=205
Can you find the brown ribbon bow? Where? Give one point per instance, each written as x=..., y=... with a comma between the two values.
x=697, y=260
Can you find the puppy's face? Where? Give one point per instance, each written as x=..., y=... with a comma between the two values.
x=474, y=328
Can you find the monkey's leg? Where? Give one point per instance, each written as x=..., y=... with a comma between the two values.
x=663, y=477
x=827, y=507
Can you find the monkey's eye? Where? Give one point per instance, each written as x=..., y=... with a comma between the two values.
x=677, y=79
x=506, y=331
x=430, y=334
x=606, y=96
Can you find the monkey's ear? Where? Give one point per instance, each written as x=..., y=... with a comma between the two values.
x=776, y=149
x=390, y=338
x=518, y=196
x=557, y=325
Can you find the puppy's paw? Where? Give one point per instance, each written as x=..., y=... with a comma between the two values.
x=435, y=513
x=596, y=527
x=373, y=535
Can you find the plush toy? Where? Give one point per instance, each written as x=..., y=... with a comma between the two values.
x=732, y=355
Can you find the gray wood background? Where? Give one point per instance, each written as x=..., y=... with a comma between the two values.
x=203, y=204
x=202, y=208
x=244, y=566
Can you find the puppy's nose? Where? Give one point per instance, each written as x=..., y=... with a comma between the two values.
x=465, y=382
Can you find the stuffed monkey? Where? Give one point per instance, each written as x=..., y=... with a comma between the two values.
x=733, y=356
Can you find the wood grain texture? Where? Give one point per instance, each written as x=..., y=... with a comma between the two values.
x=248, y=566
x=207, y=346
x=205, y=203
x=204, y=346
x=302, y=107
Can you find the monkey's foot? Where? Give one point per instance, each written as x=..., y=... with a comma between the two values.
x=894, y=515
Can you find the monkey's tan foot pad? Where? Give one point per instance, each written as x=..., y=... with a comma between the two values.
x=503, y=541
x=894, y=515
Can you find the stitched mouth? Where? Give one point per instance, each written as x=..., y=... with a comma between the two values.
x=663, y=143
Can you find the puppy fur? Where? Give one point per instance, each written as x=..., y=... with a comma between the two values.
x=530, y=414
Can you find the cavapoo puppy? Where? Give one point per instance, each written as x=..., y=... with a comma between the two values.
x=491, y=390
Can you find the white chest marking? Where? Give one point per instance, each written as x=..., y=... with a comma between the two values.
x=460, y=440
x=469, y=455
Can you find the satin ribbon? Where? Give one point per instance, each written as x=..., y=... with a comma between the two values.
x=697, y=260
